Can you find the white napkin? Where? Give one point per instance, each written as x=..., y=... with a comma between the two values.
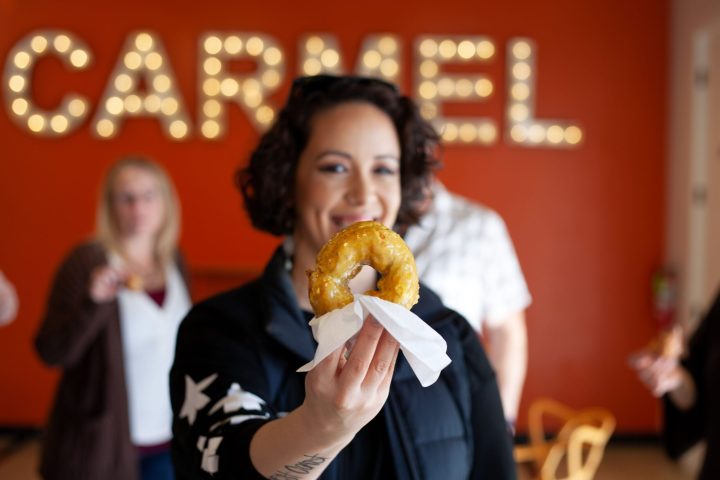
x=423, y=347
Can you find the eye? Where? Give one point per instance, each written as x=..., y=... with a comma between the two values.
x=333, y=168
x=385, y=170
x=124, y=198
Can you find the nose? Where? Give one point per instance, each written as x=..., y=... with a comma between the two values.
x=359, y=190
x=136, y=205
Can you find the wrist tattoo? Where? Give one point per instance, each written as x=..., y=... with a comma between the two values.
x=298, y=470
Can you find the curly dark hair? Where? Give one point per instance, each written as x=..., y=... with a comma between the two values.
x=267, y=183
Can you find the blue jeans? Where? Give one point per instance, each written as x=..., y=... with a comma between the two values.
x=157, y=466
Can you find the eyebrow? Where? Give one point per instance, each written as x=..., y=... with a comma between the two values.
x=387, y=156
x=339, y=153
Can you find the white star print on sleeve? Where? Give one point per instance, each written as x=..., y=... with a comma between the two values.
x=194, y=398
x=210, y=458
x=236, y=399
x=239, y=399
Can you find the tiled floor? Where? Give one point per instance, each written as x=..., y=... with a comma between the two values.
x=621, y=462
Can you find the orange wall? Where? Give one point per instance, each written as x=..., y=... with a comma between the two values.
x=587, y=223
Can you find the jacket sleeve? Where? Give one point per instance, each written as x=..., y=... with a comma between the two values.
x=493, y=454
x=220, y=397
x=73, y=320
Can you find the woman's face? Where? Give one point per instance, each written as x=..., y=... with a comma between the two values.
x=349, y=171
x=137, y=203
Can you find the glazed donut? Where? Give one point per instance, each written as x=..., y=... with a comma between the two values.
x=134, y=282
x=342, y=257
x=667, y=344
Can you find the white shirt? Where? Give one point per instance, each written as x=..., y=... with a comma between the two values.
x=464, y=253
x=148, y=338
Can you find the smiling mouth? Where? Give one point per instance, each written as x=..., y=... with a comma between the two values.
x=342, y=221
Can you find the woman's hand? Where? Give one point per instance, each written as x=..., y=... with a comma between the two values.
x=343, y=394
x=105, y=281
x=664, y=375
x=660, y=374
x=658, y=363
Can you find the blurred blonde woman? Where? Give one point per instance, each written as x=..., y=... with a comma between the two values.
x=111, y=321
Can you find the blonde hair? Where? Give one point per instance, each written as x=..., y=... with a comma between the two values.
x=106, y=228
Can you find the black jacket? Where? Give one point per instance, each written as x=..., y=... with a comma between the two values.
x=684, y=428
x=239, y=353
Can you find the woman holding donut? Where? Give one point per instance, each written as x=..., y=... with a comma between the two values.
x=111, y=323
x=342, y=150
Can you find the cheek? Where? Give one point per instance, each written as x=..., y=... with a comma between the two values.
x=159, y=212
x=393, y=199
x=393, y=194
x=316, y=197
x=121, y=215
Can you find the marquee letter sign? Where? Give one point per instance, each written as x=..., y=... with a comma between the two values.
x=17, y=83
x=143, y=60
x=143, y=84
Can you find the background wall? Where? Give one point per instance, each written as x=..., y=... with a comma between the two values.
x=587, y=223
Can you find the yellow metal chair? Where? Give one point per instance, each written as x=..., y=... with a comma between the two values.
x=577, y=449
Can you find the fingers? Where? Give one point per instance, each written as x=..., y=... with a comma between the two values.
x=320, y=381
x=345, y=393
x=385, y=383
x=104, y=283
x=367, y=366
x=372, y=358
x=362, y=353
x=383, y=362
x=641, y=360
x=659, y=374
x=370, y=353
x=330, y=365
x=662, y=386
